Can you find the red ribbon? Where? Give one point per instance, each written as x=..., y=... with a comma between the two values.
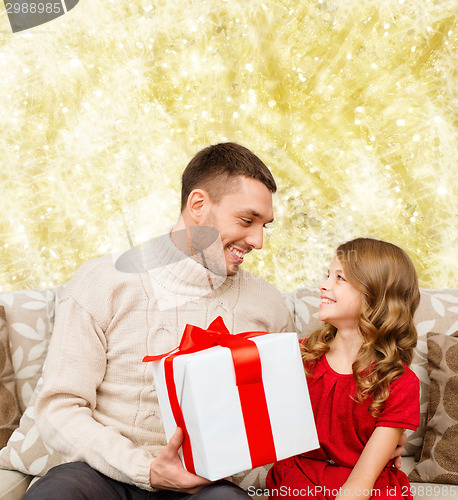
x=248, y=374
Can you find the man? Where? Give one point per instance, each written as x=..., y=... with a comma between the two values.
x=98, y=406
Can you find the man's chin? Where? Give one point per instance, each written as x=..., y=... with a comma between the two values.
x=232, y=269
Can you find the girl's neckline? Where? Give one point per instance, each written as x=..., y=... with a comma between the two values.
x=331, y=369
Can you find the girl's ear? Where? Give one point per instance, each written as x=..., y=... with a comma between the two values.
x=197, y=205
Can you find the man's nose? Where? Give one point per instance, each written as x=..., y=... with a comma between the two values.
x=255, y=238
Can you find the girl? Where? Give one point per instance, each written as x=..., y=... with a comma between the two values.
x=363, y=394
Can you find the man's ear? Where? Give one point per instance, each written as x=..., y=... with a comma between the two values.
x=198, y=205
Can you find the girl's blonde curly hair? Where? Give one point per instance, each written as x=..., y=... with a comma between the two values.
x=387, y=279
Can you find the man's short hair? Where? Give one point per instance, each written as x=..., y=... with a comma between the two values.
x=217, y=167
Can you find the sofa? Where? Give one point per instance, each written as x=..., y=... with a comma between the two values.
x=431, y=456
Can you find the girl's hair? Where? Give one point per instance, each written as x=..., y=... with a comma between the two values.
x=386, y=278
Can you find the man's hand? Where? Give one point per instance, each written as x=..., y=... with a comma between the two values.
x=167, y=471
x=399, y=450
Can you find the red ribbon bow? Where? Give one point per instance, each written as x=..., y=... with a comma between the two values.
x=248, y=374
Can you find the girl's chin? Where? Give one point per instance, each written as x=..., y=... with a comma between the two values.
x=325, y=320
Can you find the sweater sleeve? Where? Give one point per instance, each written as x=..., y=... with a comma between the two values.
x=402, y=408
x=288, y=322
x=75, y=367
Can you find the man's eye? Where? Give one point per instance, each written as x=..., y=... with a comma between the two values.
x=247, y=221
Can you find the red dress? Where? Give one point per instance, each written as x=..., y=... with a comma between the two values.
x=344, y=427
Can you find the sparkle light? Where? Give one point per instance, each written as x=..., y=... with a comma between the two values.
x=352, y=106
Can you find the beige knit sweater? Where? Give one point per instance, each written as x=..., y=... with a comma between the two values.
x=98, y=403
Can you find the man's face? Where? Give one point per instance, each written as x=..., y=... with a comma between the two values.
x=240, y=217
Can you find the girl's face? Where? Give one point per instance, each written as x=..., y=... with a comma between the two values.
x=340, y=302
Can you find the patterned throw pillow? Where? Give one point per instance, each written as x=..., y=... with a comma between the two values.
x=25, y=450
x=30, y=319
x=439, y=456
x=437, y=312
x=9, y=408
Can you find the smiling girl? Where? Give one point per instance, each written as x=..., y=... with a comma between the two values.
x=363, y=393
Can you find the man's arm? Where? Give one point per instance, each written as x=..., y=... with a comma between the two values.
x=75, y=367
x=65, y=406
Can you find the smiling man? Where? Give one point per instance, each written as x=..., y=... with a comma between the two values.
x=98, y=406
x=228, y=188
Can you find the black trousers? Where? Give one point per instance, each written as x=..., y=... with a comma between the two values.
x=78, y=481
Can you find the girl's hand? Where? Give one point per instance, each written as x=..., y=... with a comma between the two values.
x=370, y=464
x=353, y=492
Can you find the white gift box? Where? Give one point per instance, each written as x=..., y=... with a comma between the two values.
x=208, y=396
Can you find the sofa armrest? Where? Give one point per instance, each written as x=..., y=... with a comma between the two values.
x=13, y=484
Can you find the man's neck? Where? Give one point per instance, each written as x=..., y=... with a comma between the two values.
x=181, y=238
x=202, y=243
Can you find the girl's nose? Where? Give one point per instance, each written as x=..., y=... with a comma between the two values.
x=322, y=286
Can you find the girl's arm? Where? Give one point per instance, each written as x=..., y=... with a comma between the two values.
x=370, y=464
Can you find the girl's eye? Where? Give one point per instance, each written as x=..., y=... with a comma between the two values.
x=340, y=277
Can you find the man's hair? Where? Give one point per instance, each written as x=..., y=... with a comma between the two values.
x=217, y=167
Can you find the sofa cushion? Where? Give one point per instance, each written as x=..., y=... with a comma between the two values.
x=428, y=491
x=439, y=455
x=25, y=450
x=9, y=408
x=13, y=484
x=30, y=320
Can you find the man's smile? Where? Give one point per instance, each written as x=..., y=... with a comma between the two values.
x=237, y=253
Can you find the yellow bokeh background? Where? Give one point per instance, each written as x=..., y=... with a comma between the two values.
x=353, y=105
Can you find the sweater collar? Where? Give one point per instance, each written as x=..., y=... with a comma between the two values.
x=177, y=277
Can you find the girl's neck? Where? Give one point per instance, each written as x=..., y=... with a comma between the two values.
x=343, y=350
